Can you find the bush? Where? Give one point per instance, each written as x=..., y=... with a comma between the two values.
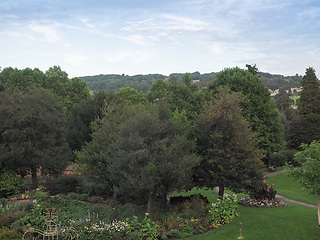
x=223, y=211
x=96, y=199
x=290, y=157
x=278, y=159
x=145, y=229
x=6, y=233
x=83, y=197
x=67, y=184
x=94, y=188
x=9, y=183
x=266, y=191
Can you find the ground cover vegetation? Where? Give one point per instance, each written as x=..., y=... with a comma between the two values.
x=131, y=149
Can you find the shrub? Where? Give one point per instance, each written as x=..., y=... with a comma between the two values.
x=71, y=196
x=145, y=229
x=278, y=159
x=96, y=199
x=94, y=188
x=290, y=156
x=266, y=191
x=9, y=183
x=67, y=183
x=224, y=210
x=83, y=197
x=6, y=233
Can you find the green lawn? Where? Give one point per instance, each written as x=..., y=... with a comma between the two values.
x=290, y=188
x=293, y=222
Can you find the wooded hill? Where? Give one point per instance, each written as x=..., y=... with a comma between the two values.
x=113, y=82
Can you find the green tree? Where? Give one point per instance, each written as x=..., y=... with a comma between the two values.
x=152, y=155
x=287, y=113
x=252, y=69
x=181, y=97
x=95, y=155
x=308, y=174
x=68, y=91
x=259, y=110
x=230, y=154
x=82, y=115
x=141, y=150
x=131, y=95
x=308, y=106
x=32, y=133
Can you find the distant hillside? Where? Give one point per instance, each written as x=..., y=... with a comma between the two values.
x=113, y=82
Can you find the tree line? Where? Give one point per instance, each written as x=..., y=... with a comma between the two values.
x=114, y=82
x=142, y=146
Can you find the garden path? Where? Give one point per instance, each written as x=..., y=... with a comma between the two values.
x=287, y=199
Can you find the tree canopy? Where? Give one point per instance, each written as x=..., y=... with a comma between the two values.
x=229, y=150
x=145, y=154
x=258, y=109
x=32, y=133
x=305, y=127
x=68, y=91
x=308, y=174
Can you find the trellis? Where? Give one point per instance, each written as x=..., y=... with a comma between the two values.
x=51, y=231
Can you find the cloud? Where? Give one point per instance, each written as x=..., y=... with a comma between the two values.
x=87, y=23
x=168, y=22
x=175, y=29
x=48, y=32
x=126, y=55
x=75, y=59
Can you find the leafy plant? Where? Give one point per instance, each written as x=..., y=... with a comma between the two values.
x=224, y=210
x=145, y=229
x=278, y=159
x=266, y=191
x=9, y=183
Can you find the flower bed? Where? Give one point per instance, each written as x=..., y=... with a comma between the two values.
x=249, y=202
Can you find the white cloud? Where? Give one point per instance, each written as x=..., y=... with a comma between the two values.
x=126, y=55
x=135, y=38
x=75, y=59
x=87, y=23
x=48, y=32
x=217, y=47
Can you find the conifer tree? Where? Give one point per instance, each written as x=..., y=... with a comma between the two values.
x=306, y=126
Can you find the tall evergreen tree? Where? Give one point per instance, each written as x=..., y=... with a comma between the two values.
x=306, y=126
x=309, y=105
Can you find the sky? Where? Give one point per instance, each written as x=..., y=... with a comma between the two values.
x=91, y=37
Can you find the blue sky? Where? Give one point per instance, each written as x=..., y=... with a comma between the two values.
x=168, y=36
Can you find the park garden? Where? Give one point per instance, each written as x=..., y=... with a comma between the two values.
x=176, y=162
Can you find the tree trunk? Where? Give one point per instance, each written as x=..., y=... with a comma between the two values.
x=115, y=193
x=318, y=208
x=221, y=191
x=164, y=200
x=35, y=182
x=150, y=203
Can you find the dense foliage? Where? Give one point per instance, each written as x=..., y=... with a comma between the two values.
x=144, y=154
x=308, y=174
x=305, y=127
x=113, y=82
x=142, y=139
x=259, y=110
x=68, y=91
x=229, y=150
x=32, y=133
